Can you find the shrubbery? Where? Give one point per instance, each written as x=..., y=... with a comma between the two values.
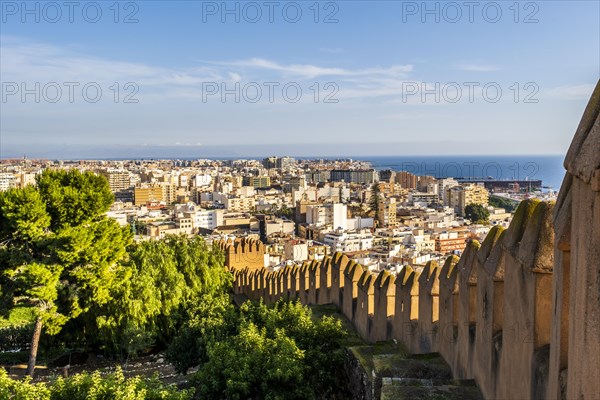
x=260, y=352
x=90, y=387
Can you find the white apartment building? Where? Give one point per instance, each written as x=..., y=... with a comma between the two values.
x=7, y=181
x=346, y=242
x=332, y=214
x=201, y=180
x=358, y=223
x=208, y=219
x=340, y=216
x=279, y=225
x=200, y=218
x=443, y=185
x=422, y=199
x=420, y=241
x=296, y=250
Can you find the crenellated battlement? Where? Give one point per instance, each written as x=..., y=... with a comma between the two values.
x=243, y=253
x=519, y=313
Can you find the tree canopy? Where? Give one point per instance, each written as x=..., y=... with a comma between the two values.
x=161, y=280
x=59, y=253
x=260, y=352
x=477, y=213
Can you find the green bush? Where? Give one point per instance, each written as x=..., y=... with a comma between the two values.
x=90, y=387
x=261, y=352
x=21, y=390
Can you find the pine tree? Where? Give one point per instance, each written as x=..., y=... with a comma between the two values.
x=58, y=252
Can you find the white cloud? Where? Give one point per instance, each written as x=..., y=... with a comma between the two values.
x=234, y=76
x=26, y=61
x=309, y=71
x=478, y=68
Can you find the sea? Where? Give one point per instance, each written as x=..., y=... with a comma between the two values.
x=547, y=168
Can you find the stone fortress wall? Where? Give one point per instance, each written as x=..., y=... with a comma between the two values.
x=519, y=312
x=243, y=253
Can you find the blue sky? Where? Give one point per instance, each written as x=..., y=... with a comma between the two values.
x=390, y=78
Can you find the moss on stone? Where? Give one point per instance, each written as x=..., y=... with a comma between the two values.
x=519, y=223
x=450, y=264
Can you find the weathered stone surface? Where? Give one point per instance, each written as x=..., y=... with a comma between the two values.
x=467, y=295
x=406, y=310
x=365, y=305
x=536, y=248
x=519, y=223
x=384, y=296
x=584, y=313
x=352, y=275
x=429, y=289
x=583, y=158
x=448, y=313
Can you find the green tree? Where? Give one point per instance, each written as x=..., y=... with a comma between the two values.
x=212, y=319
x=151, y=288
x=275, y=352
x=374, y=200
x=58, y=252
x=477, y=213
x=74, y=198
x=23, y=218
x=254, y=365
x=27, y=274
x=159, y=290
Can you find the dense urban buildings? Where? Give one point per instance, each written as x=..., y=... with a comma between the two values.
x=298, y=209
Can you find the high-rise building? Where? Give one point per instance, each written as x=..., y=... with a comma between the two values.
x=443, y=185
x=459, y=197
x=406, y=180
x=318, y=176
x=279, y=162
x=364, y=176
x=286, y=162
x=340, y=216
x=257, y=181
x=387, y=176
x=117, y=179
x=144, y=195
x=270, y=162
x=425, y=183
x=386, y=211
